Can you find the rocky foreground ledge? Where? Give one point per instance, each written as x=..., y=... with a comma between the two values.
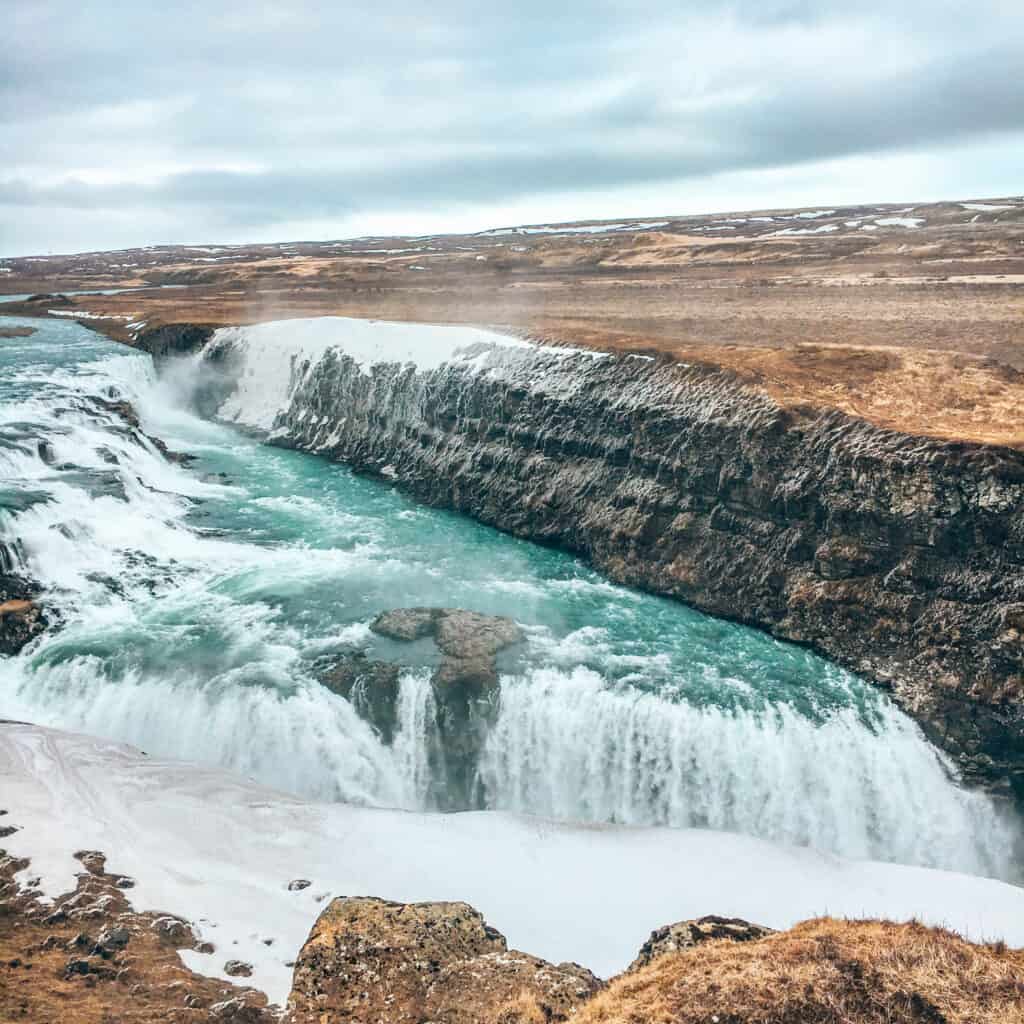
x=135, y=889
x=90, y=957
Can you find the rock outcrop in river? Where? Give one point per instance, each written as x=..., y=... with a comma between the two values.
x=464, y=685
x=21, y=617
x=899, y=557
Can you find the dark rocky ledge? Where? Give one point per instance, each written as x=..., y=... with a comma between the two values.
x=174, y=339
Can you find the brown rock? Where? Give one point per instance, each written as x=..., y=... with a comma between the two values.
x=92, y=860
x=406, y=623
x=470, y=635
x=686, y=934
x=458, y=633
x=21, y=619
x=174, y=931
x=372, y=960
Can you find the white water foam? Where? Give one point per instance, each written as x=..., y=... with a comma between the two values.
x=279, y=354
x=568, y=745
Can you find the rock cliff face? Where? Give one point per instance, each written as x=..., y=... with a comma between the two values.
x=899, y=557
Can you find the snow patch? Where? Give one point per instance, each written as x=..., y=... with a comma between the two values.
x=576, y=229
x=986, y=207
x=899, y=222
x=804, y=231
x=81, y=314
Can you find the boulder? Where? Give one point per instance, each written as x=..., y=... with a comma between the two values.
x=468, y=641
x=686, y=934
x=470, y=635
x=458, y=633
x=21, y=618
x=406, y=623
x=372, y=960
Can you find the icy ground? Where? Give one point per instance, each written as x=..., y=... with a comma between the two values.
x=220, y=850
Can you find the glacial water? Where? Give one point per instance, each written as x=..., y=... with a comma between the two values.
x=196, y=603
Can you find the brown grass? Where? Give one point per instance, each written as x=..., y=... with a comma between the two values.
x=144, y=983
x=524, y=1009
x=824, y=972
x=915, y=330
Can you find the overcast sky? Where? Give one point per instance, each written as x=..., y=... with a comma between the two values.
x=130, y=123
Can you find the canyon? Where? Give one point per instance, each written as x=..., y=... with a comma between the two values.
x=897, y=556
x=660, y=549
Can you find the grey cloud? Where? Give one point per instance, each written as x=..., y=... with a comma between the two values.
x=398, y=107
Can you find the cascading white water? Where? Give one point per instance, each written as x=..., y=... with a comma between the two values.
x=416, y=738
x=567, y=745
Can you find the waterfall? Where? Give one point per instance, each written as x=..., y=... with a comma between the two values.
x=195, y=604
x=567, y=745
x=415, y=743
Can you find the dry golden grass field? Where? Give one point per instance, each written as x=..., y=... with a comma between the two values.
x=910, y=317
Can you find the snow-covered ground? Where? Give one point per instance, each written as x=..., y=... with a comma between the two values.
x=81, y=314
x=899, y=222
x=576, y=229
x=988, y=207
x=220, y=850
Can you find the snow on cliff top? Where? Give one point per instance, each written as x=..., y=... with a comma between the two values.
x=272, y=351
x=368, y=341
x=220, y=851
